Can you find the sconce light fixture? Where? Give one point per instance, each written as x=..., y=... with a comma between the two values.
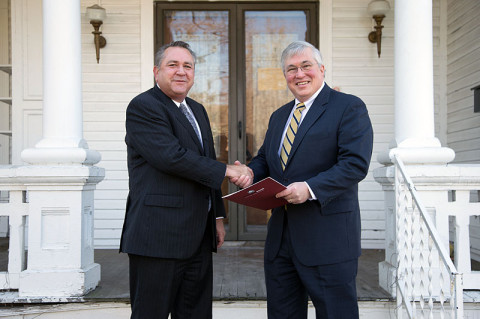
x=96, y=15
x=378, y=9
x=476, y=99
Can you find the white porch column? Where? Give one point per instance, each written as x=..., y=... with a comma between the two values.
x=415, y=137
x=61, y=182
x=62, y=141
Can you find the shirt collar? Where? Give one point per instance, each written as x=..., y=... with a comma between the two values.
x=178, y=104
x=310, y=101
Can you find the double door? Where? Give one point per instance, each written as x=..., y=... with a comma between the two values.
x=238, y=77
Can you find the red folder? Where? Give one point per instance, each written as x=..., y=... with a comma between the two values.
x=260, y=195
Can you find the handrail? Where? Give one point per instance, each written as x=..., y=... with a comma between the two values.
x=433, y=231
x=405, y=293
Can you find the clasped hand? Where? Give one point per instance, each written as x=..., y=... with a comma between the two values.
x=240, y=174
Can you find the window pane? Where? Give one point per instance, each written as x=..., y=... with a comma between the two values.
x=267, y=34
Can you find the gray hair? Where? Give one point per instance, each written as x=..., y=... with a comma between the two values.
x=297, y=47
x=160, y=55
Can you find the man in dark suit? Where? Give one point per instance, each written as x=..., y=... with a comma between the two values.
x=174, y=206
x=320, y=152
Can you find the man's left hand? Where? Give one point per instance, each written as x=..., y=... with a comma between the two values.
x=296, y=193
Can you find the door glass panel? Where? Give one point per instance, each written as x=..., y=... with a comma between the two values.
x=267, y=34
x=207, y=34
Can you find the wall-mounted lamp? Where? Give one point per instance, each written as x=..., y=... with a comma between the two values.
x=378, y=9
x=96, y=15
x=476, y=99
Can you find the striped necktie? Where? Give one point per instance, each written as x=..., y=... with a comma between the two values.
x=290, y=134
x=190, y=118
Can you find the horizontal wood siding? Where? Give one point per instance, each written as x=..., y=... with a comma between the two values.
x=357, y=70
x=463, y=51
x=108, y=87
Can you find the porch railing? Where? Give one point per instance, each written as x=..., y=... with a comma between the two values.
x=427, y=279
x=14, y=206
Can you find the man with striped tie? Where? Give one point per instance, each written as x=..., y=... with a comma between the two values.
x=319, y=146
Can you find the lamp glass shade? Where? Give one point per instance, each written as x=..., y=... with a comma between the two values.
x=96, y=13
x=378, y=7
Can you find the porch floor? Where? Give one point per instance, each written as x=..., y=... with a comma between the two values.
x=238, y=274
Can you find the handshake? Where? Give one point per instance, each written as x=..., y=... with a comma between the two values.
x=239, y=174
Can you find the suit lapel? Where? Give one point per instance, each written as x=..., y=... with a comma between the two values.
x=181, y=117
x=316, y=110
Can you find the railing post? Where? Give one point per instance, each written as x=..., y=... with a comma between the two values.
x=462, y=235
x=60, y=237
x=16, y=251
x=458, y=284
x=16, y=210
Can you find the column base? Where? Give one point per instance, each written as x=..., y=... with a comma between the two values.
x=59, y=283
x=61, y=156
x=418, y=155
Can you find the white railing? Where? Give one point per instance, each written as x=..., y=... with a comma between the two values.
x=427, y=279
x=14, y=206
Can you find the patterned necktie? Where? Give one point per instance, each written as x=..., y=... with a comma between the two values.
x=190, y=118
x=290, y=134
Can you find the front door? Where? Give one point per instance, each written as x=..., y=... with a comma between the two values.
x=238, y=77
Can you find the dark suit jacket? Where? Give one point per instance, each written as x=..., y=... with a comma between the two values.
x=171, y=179
x=331, y=152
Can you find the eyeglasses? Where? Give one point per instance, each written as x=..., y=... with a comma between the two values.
x=292, y=70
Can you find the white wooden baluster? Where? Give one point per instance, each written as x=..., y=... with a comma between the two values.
x=422, y=261
x=408, y=249
x=406, y=256
x=442, y=283
x=430, y=272
x=400, y=241
x=413, y=250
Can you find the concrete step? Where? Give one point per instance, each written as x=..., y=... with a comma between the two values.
x=221, y=310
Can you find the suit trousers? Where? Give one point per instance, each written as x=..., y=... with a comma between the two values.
x=331, y=288
x=182, y=287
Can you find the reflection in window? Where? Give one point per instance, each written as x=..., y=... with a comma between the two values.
x=207, y=34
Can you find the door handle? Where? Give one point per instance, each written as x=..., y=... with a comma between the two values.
x=240, y=129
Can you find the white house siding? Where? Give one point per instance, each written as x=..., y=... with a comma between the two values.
x=356, y=69
x=463, y=49
x=107, y=89
x=463, y=74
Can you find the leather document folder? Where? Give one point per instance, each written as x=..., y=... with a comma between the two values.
x=260, y=195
